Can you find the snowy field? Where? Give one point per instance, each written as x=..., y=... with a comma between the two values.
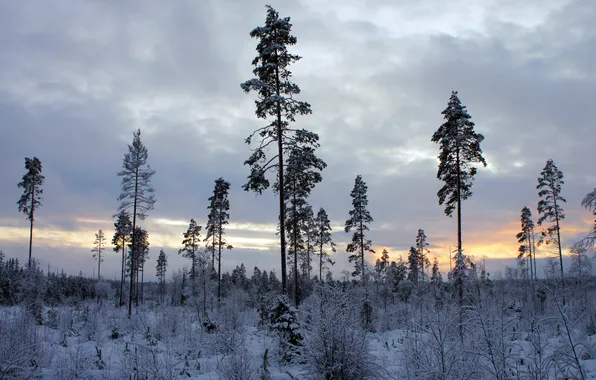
x=96, y=340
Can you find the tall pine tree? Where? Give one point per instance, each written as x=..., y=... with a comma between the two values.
x=98, y=247
x=276, y=103
x=32, y=191
x=323, y=239
x=192, y=238
x=550, y=210
x=459, y=151
x=219, y=205
x=137, y=193
x=121, y=239
x=423, y=252
x=358, y=221
x=524, y=237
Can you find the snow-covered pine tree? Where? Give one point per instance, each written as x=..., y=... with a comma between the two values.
x=323, y=239
x=191, y=240
x=550, y=210
x=137, y=193
x=358, y=221
x=121, y=239
x=277, y=103
x=219, y=205
x=98, y=246
x=32, y=191
x=160, y=271
x=302, y=174
x=459, y=151
x=423, y=252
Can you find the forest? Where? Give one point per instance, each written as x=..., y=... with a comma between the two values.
x=396, y=318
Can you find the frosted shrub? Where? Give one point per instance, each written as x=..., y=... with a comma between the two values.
x=335, y=345
x=238, y=365
x=20, y=348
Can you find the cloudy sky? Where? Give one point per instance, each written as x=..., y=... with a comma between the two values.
x=78, y=77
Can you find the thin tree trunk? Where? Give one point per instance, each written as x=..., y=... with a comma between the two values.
x=122, y=272
x=219, y=264
x=282, y=193
x=31, y=215
x=460, y=289
x=321, y=260
x=132, y=254
x=559, y=244
x=295, y=222
x=362, y=251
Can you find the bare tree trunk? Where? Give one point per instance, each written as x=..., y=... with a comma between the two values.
x=282, y=193
x=559, y=245
x=122, y=272
x=31, y=216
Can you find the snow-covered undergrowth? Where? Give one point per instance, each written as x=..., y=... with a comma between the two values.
x=330, y=336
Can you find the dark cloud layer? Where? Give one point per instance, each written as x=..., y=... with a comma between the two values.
x=77, y=78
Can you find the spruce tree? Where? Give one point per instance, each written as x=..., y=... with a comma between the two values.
x=323, y=239
x=191, y=240
x=550, y=210
x=219, y=205
x=121, y=239
x=32, y=191
x=423, y=252
x=160, y=271
x=99, y=246
x=459, y=151
x=277, y=104
x=358, y=221
x=137, y=194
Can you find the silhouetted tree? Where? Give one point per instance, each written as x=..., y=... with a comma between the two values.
x=137, y=194
x=191, y=240
x=421, y=245
x=359, y=219
x=550, y=210
x=303, y=173
x=32, y=191
x=219, y=205
x=121, y=239
x=99, y=246
x=524, y=237
x=276, y=103
x=322, y=239
x=160, y=271
x=459, y=151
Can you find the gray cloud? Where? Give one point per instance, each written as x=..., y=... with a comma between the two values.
x=77, y=78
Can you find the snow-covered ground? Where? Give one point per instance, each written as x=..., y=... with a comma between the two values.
x=99, y=341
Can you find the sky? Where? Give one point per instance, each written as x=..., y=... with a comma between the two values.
x=77, y=78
